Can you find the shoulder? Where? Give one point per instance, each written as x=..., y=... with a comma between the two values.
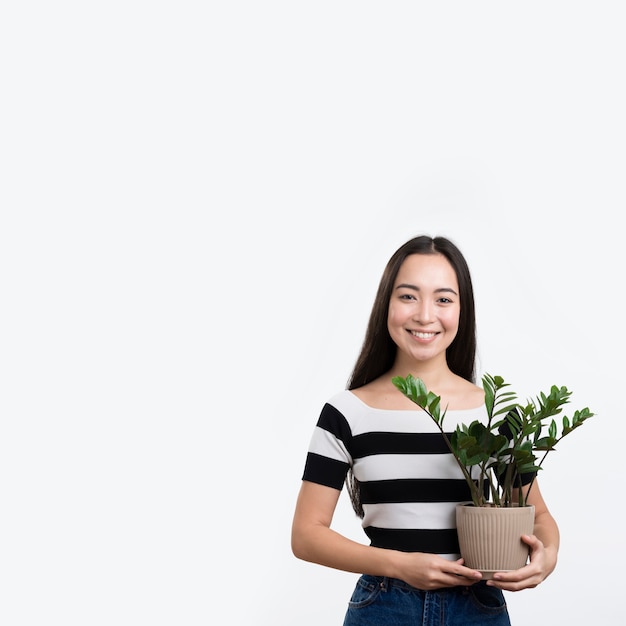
x=340, y=410
x=345, y=414
x=382, y=394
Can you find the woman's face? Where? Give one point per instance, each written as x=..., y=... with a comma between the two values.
x=424, y=308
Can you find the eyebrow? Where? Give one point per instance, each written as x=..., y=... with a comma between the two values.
x=416, y=288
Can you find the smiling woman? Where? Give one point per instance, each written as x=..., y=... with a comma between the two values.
x=402, y=478
x=424, y=309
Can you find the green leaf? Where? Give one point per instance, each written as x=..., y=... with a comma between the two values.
x=483, y=445
x=552, y=429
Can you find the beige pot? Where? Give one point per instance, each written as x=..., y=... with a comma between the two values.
x=490, y=537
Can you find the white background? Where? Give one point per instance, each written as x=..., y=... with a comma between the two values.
x=197, y=202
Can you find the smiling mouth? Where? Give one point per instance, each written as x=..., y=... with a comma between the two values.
x=421, y=335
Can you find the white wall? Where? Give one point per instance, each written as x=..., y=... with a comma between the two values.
x=197, y=204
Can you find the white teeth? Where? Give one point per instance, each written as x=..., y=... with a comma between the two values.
x=422, y=335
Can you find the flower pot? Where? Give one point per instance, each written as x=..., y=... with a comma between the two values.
x=490, y=537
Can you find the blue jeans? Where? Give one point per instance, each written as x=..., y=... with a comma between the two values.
x=380, y=601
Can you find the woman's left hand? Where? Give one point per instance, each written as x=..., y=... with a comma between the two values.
x=541, y=565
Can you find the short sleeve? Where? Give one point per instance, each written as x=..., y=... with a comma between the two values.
x=328, y=458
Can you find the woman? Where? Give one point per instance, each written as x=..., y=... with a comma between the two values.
x=402, y=479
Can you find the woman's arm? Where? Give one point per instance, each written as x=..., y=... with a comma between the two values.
x=313, y=540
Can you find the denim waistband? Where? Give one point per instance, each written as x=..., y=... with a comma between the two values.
x=385, y=582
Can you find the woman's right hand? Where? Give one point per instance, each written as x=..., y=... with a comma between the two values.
x=430, y=571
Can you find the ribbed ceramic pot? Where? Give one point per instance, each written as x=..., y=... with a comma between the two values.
x=490, y=537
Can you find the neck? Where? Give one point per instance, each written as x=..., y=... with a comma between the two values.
x=433, y=374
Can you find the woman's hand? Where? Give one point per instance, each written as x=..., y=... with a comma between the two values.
x=541, y=565
x=429, y=571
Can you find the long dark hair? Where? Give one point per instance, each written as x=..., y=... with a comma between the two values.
x=379, y=351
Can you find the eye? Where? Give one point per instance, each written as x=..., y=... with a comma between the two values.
x=445, y=300
x=406, y=296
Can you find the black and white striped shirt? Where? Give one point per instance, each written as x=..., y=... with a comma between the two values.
x=409, y=481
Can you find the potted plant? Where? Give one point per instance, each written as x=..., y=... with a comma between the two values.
x=496, y=457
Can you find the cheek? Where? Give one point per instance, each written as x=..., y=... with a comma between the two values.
x=451, y=320
x=394, y=316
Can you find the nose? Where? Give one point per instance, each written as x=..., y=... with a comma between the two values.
x=425, y=312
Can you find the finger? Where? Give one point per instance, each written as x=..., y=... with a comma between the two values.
x=517, y=585
x=531, y=540
x=458, y=568
x=466, y=572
